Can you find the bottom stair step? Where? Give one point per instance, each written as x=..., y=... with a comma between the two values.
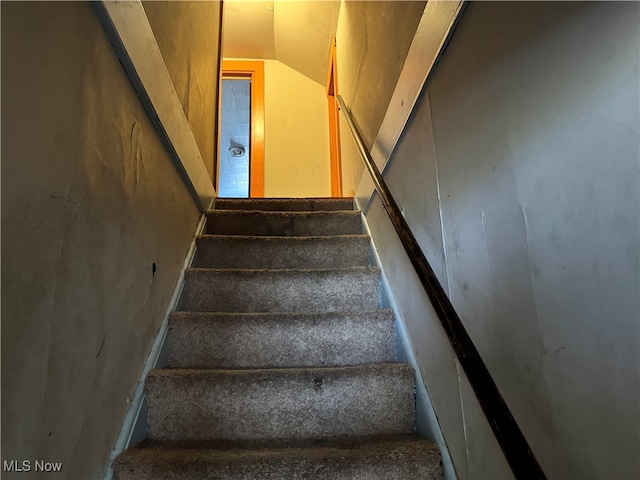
x=400, y=457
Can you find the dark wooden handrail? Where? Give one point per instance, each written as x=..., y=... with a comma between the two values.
x=514, y=445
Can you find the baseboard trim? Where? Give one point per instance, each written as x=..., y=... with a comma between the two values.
x=427, y=423
x=135, y=420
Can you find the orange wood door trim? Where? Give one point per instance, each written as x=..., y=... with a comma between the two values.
x=334, y=126
x=255, y=71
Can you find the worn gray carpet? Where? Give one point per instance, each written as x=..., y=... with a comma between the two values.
x=282, y=364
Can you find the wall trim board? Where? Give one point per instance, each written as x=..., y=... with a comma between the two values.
x=334, y=123
x=427, y=423
x=253, y=70
x=127, y=27
x=218, y=109
x=434, y=31
x=135, y=421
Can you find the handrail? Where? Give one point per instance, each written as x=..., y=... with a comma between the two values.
x=516, y=450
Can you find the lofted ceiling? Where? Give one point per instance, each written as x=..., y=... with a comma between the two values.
x=297, y=33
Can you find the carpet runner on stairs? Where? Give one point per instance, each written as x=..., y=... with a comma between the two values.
x=282, y=364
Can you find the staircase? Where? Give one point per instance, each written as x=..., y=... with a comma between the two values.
x=281, y=365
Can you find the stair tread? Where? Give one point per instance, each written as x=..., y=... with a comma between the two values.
x=281, y=403
x=279, y=372
x=285, y=213
x=243, y=251
x=237, y=340
x=273, y=290
x=282, y=238
x=384, y=457
x=284, y=270
x=231, y=316
x=283, y=223
x=224, y=447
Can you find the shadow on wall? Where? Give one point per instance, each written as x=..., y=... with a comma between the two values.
x=530, y=177
x=91, y=202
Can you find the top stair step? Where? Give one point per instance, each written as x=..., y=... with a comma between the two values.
x=282, y=223
x=285, y=204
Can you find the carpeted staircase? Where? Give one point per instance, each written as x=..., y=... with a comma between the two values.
x=281, y=365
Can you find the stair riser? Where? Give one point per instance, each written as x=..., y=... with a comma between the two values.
x=282, y=290
x=294, y=252
x=283, y=224
x=280, y=204
x=263, y=405
x=261, y=341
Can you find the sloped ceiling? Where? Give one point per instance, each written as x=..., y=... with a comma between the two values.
x=248, y=30
x=297, y=33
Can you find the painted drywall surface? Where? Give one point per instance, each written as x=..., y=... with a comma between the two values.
x=296, y=33
x=416, y=192
x=249, y=29
x=187, y=35
x=534, y=110
x=128, y=29
x=296, y=134
x=415, y=186
x=372, y=39
x=90, y=201
x=303, y=32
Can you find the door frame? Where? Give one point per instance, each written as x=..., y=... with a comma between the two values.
x=254, y=71
x=334, y=125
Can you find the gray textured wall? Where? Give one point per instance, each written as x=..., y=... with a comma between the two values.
x=187, y=34
x=519, y=174
x=90, y=201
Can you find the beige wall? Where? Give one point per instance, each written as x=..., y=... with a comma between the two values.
x=90, y=201
x=296, y=134
x=373, y=39
x=187, y=34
